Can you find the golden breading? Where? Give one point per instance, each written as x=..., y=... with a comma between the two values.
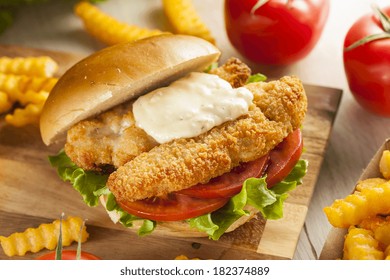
x=110, y=139
x=179, y=164
x=113, y=139
x=234, y=71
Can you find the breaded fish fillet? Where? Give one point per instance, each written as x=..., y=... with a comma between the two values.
x=112, y=139
x=279, y=108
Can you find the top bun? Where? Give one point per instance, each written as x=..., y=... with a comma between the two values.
x=119, y=73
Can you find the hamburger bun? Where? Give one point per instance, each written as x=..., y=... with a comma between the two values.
x=120, y=73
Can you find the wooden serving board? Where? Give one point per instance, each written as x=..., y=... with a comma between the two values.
x=31, y=193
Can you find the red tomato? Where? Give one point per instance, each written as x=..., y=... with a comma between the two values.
x=206, y=198
x=229, y=184
x=284, y=157
x=278, y=165
x=175, y=207
x=278, y=32
x=367, y=66
x=68, y=255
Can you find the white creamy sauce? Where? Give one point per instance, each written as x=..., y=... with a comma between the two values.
x=189, y=107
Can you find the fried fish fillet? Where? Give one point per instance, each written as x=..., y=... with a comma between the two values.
x=112, y=139
x=279, y=108
x=107, y=141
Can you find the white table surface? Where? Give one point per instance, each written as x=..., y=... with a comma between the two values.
x=356, y=134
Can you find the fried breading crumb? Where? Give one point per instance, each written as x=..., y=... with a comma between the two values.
x=234, y=71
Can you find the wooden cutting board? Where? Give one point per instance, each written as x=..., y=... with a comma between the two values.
x=31, y=193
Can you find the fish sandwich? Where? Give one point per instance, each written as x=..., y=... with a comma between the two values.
x=168, y=143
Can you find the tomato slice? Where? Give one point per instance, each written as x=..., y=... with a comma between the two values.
x=206, y=198
x=284, y=157
x=175, y=207
x=228, y=184
x=68, y=255
x=277, y=165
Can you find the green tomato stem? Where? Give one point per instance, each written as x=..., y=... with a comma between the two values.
x=385, y=20
x=367, y=39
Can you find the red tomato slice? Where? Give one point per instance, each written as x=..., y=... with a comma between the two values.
x=228, y=184
x=206, y=198
x=284, y=157
x=68, y=255
x=175, y=207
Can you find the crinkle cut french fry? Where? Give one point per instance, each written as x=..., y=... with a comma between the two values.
x=33, y=97
x=360, y=244
x=14, y=85
x=24, y=116
x=107, y=29
x=185, y=20
x=45, y=236
x=42, y=66
x=384, y=164
x=366, y=213
x=5, y=103
x=369, y=183
x=380, y=226
x=387, y=253
x=33, y=103
x=360, y=205
x=184, y=257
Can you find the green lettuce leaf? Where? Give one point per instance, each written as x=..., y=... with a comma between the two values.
x=255, y=193
x=127, y=219
x=91, y=186
x=87, y=183
x=256, y=78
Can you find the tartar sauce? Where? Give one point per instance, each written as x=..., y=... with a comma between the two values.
x=189, y=107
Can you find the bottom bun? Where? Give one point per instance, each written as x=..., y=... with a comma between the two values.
x=179, y=228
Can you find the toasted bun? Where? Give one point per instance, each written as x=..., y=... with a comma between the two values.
x=119, y=73
x=179, y=228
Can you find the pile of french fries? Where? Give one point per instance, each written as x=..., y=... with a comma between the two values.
x=366, y=215
x=25, y=83
x=181, y=14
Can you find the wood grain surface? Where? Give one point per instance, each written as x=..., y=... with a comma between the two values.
x=31, y=193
